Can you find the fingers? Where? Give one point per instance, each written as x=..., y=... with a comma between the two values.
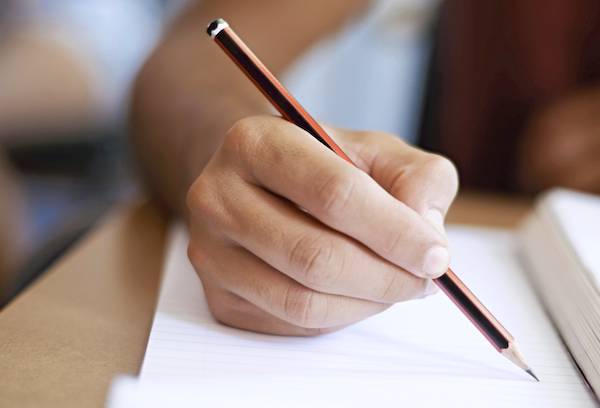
x=309, y=252
x=235, y=270
x=232, y=310
x=339, y=195
x=425, y=182
x=288, y=238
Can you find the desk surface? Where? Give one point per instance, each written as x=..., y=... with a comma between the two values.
x=88, y=318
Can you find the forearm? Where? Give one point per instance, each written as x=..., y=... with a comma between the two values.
x=189, y=94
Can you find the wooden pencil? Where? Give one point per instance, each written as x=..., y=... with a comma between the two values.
x=291, y=110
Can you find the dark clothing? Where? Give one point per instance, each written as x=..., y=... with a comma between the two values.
x=495, y=62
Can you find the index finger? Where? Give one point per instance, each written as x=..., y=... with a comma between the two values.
x=337, y=194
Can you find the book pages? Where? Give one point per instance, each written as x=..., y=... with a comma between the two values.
x=561, y=247
x=423, y=353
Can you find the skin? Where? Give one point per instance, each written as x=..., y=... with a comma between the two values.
x=286, y=237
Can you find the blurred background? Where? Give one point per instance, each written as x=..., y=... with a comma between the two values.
x=66, y=67
x=508, y=89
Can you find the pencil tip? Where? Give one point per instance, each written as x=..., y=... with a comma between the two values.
x=530, y=372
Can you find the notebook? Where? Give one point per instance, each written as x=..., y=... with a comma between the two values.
x=561, y=248
x=421, y=353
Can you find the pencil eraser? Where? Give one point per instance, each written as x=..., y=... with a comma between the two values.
x=216, y=26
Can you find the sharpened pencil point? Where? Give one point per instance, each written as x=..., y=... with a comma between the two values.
x=530, y=372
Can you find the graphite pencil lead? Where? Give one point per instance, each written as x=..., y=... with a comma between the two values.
x=530, y=372
x=514, y=354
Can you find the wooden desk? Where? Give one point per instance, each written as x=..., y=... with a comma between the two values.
x=88, y=318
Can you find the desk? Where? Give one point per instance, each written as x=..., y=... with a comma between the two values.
x=88, y=318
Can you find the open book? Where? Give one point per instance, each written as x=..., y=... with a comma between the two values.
x=420, y=353
x=561, y=244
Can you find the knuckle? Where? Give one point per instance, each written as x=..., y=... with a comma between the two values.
x=303, y=308
x=334, y=194
x=222, y=314
x=199, y=257
x=443, y=168
x=245, y=138
x=312, y=257
x=194, y=254
x=205, y=202
x=243, y=129
x=224, y=306
x=198, y=195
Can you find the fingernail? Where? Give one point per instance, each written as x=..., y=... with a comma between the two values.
x=435, y=218
x=437, y=262
x=430, y=289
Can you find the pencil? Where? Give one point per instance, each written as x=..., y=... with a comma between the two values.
x=291, y=110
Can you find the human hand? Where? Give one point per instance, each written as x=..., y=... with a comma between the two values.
x=561, y=146
x=288, y=238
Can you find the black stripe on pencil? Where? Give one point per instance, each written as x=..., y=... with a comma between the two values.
x=291, y=110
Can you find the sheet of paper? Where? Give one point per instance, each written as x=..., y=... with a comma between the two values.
x=422, y=353
x=578, y=215
x=560, y=246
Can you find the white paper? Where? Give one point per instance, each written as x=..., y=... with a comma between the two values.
x=421, y=353
x=560, y=244
x=578, y=215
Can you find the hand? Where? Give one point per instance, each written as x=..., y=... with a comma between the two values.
x=290, y=239
x=562, y=145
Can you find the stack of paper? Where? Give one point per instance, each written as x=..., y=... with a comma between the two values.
x=420, y=353
x=561, y=243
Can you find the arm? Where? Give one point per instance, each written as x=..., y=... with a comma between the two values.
x=189, y=94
